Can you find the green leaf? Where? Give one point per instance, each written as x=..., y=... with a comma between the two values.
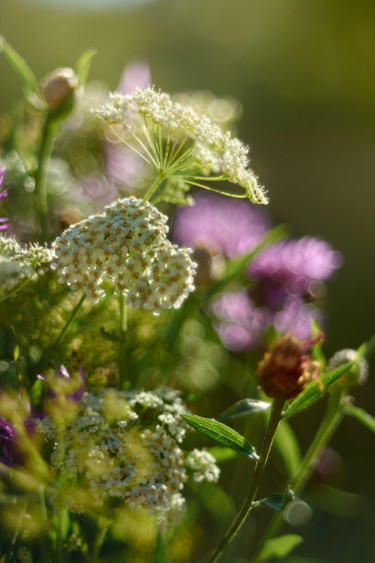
x=315, y=390
x=245, y=407
x=83, y=64
x=367, y=419
x=303, y=560
x=277, y=501
x=221, y=433
x=287, y=446
x=23, y=71
x=36, y=392
x=222, y=454
x=279, y=547
x=160, y=553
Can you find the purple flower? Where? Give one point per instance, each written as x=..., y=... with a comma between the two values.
x=223, y=225
x=9, y=437
x=237, y=321
x=290, y=267
x=62, y=373
x=135, y=75
x=4, y=221
x=296, y=317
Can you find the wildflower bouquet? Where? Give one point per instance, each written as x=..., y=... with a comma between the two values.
x=134, y=336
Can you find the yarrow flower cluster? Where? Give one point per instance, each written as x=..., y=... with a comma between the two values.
x=126, y=445
x=32, y=255
x=181, y=143
x=127, y=245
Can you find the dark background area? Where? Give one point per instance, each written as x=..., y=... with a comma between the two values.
x=304, y=71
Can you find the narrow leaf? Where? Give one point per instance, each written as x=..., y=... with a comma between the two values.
x=21, y=68
x=367, y=419
x=315, y=390
x=221, y=433
x=279, y=547
x=277, y=501
x=245, y=407
x=287, y=446
x=83, y=64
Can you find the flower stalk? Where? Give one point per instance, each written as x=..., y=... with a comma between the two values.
x=273, y=422
x=46, y=146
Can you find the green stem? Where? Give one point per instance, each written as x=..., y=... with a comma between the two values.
x=273, y=422
x=45, y=151
x=73, y=315
x=103, y=528
x=156, y=183
x=18, y=288
x=122, y=341
x=334, y=414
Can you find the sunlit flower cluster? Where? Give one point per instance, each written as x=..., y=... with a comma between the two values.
x=187, y=143
x=126, y=445
x=32, y=255
x=127, y=245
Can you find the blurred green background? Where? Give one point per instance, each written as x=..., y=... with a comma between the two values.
x=304, y=71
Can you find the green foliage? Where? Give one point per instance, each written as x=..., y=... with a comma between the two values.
x=362, y=416
x=23, y=71
x=279, y=547
x=315, y=390
x=288, y=448
x=160, y=553
x=243, y=408
x=277, y=501
x=221, y=433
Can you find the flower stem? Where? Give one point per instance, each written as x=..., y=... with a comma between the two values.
x=334, y=414
x=122, y=340
x=18, y=288
x=156, y=183
x=69, y=321
x=45, y=151
x=275, y=416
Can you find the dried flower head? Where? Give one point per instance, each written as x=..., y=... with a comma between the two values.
x=286, y=370
x=182, y=145
x=127, y=245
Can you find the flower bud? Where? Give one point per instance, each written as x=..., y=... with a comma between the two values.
x=286, y=370
x=58, y=87
x=357, y=375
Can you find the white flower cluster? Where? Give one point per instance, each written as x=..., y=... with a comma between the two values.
x=216, y=150
x=32, y=255
x=203, y=465
x=127, y=245
x=126, y=444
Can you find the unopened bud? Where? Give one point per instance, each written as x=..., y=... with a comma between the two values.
x=58, y=86
x=286, y=370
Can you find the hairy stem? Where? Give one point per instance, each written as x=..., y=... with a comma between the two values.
x=273, y=423
x=329, y=424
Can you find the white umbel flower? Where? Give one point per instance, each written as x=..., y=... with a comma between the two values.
x=126, y=244
x=180, y=142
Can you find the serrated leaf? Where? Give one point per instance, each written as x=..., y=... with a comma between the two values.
x=160, y=553
x=222, y=454
x=221, y=433
x=288, y=448
x=21, y=68
x=362, y=416
x=83, y=64
x=279, y=547
x=245, y=407
x=315, y=390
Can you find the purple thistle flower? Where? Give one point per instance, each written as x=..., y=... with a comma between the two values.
x=4, y=221
x=62, y=373
x=296, y=317
x=9, y=438
x=238, y=322
x=290, y=267
x=225, y=226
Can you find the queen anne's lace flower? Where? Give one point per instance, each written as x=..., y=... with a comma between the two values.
x=32, y=255
x=126, y=444
x=127, y=245
x=207, y=150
